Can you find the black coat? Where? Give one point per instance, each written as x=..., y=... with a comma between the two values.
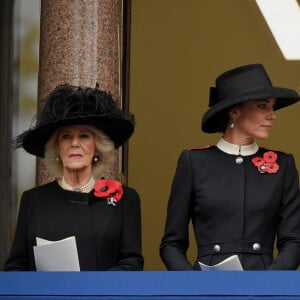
x=108, y=237
x=234, y=210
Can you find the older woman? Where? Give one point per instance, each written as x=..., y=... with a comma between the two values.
x=77, y=133
x=239, y=196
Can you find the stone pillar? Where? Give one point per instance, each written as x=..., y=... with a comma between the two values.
x=81, y=44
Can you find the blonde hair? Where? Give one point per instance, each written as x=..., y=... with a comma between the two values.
x=105, y=152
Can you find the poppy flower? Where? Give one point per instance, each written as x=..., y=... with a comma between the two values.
x=257, y=161
x=267, y=163
x=273, y=168
x=270, y=157
x=111, y=190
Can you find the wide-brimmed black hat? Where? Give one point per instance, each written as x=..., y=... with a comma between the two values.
x=70, y=105
x=249, y=82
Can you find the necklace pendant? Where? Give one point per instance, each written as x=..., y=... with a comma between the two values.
x=239, y=160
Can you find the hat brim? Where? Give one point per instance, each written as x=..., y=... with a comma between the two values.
x=284, y=97
x=117, y=129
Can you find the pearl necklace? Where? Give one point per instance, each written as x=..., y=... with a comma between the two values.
x=83, y=189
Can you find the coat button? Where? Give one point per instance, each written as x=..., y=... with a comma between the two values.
x=217, y=248
x=239, y=160
x=256, y=246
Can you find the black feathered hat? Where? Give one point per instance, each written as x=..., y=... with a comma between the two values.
x=70, y=105
x=249, y=82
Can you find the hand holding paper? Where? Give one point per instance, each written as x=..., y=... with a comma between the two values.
x=231, y=263
x=56, y=255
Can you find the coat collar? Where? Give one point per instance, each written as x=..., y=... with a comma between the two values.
x=236, y=149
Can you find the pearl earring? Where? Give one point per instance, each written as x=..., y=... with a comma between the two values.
x=57, y=158
x=231, y=125
x=95, y=159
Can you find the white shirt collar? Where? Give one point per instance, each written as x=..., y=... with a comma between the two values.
x=236, y=149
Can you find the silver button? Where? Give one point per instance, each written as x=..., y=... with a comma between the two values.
x=239, y=160
x=256, y=246
x=217, y=248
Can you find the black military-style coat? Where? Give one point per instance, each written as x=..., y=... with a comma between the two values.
x=235, y=209
x=108, y=237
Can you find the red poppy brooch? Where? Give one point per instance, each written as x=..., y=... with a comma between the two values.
x=267, y=163
x=112, y=190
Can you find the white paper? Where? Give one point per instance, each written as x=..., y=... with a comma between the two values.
x=231, y=263
x=56, y=255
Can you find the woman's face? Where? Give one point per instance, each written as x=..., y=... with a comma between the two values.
x=254, y=119
x=76, y=147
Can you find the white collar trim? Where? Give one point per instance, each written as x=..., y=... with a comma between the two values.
x=236, y=149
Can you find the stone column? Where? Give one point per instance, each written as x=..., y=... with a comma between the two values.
x=81, y=44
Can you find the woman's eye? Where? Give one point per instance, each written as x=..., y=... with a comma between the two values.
x=85, y=136
x=65, y=136
x=262, y=105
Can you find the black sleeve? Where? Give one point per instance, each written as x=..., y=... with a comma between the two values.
x=130, y=256
x=175, y=241
x=288, y=233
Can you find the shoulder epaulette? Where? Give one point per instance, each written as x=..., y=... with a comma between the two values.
x=201, y=148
